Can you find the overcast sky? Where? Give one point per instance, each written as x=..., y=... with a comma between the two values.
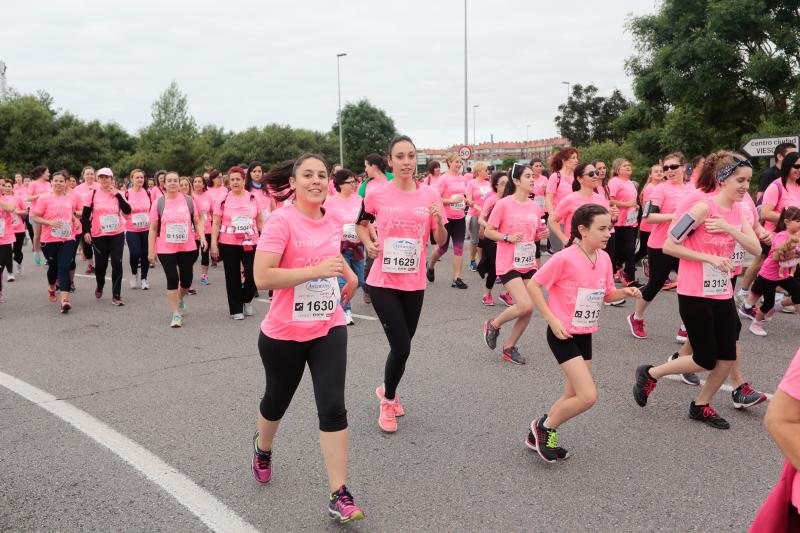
x=246, y=63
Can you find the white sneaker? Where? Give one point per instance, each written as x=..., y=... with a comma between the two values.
x=19, y=269
x=757, y=328
x=238, y=316
x=248, y=309
x=788, y=310
x=135, y=281
x=348, y=315
x=10, y=277
x=145, y=285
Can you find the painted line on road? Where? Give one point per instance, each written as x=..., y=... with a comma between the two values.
x=91, y=277
x=363, y=317
x=725, y=386
x=212, y=512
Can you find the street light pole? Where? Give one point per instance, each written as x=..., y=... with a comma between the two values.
x=474, y=126
x=527, y=137
x=339, y=85
x=466, y=106
x=567, y=84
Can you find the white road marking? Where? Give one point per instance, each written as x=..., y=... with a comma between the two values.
x=212, y=512
x=363, y=317
x=725, y=386
x=91, y=276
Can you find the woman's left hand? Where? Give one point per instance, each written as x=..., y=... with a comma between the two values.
x=349, y=289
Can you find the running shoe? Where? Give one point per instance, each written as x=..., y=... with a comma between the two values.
x=429, y=273
x=72, y=286
x=134, y=281
x=204, y=280
x=473, y=266
x=741, y=296
x=757, y=328
x=548, y=251
x=707, y=414
x=490, y=334
x=637, y=326
x=512, y=355
x=238, y=316
x=191, y=290
x=65, y=307
x=545, y=440
x=669, y=285
x=348, y=316
x=618, y=275
x=117, y=301
x=51, y=294
x=497, y=280
x=37, y=258
x=399, y=410
x=262, y=462
x=747, y=312
x=342, y=508
x=646, y=267
x=182, y=305
x=690, y=378
x=644, y=386
x=530, y=442
x=487, y=300
x=177, y=320
x=635, y=283
x=89, y=269
x=616, y=303
x=746, y=396
x=387, y=419
x=682, y=336
x=788, y=310
x=458, y=283
x=19, y=269
x=11, y=277
x=248, y=309
x=367, y=298
x=145, y=285
x=98, y=292
x=506, y=298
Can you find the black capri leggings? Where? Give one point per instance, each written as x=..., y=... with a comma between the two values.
x=661, y=265
x=456, y=229
x=178, y=267
x=204, y=254
x=766, y=288
x=713, y=327
x=399, y=313
x=625, y=250
x=17, y=247
x=284, y=363
x=487, y=266
x=641, y=253
x=109, y=248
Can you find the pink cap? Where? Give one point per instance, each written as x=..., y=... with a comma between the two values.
x=105, y=171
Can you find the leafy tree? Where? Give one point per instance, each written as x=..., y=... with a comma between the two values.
x=508, y=162
x=367, y=129
x=586, y=117
x=26, y=124
x=275, y=143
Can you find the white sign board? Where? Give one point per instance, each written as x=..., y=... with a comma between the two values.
x=765, y=146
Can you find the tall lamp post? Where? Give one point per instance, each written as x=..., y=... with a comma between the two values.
x=339, y=85
x=474, y=107
x=466, y=106
x=567, y=84
x=527, y=138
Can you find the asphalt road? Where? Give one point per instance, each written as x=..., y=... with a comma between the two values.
x=457, y=463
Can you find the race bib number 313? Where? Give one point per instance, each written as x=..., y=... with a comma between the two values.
x=588, y=303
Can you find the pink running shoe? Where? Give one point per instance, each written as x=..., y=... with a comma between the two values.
x=487, y=300
x=637, y=327
x=682, y=336
x=398, y=408
x=262, y=462
x=342, y=508
x=387, y=419
x=506, y=298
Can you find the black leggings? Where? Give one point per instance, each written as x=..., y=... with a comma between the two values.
x=456, y=230
x=17, y=249
x=487, y=266
x=641, y=253
x=284, y=363
x=233, y=258
x=29, y=227
x=178, y=268
x=204, y=254
x=625, y=250
x=661, y=265
x=399, y=313
x=109, y=248
x=5, y=257
x=138, y=248
x=60, y=257
x=766, y=288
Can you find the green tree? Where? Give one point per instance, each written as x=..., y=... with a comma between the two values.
x=275, y=143
x=508, y=162
x=26, y=124
x=367, y=129
x=586, y=117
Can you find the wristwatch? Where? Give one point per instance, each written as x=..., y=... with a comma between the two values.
x=505, y=237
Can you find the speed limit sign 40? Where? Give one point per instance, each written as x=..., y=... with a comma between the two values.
x=465, y=152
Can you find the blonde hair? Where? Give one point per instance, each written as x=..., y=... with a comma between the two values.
x=452, y=158
x=480, y=167
x=616, y=165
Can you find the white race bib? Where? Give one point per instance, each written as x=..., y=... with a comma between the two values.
x=484, y=192
x=540, y=202
x=2, y=226
x=316, y=299
x=633, y=215
x=738, y=255
x=177, y=233
x=349, y=233
x=401, y=255
x=62, y=230
x=140, y=220
x=241, y=224
x=715, y=281
x=109, y=223
x=588, y=303
x=14, y=219
x=524, y=254
x=459, y=206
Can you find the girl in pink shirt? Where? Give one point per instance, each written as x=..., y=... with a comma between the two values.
x=559, y=185
x=656, y=176
x=216, y=186
x=404, y=213
x=57, y=213
x=704, y=239
x=783, y=192
x=487, y=268
x=434, y=173
x=170, y=237
x=299, y=259
x=39, y=186
x=477, y=190
x=452, y=189
x=586, y=181
x=137, y=226
x=515, y=223
x=17, y=227
x=7, y=237
x=203, y=203
x=158, y=190
x=254, y=182
x=84, y=190
x=103, y=229
x=623, y=195
x=578, y=280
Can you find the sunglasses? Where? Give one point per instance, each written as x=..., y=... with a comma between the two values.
x=591, y=174
x=796, y=165
x=670, y=167
x=349, y=182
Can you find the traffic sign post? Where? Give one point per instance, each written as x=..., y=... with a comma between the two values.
x=765, y=146
x=465, y=152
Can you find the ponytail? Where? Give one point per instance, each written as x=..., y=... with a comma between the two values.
x=584, y=216
x=277, y=178
x=790, y=213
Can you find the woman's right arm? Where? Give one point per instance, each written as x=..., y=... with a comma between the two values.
x=783, y=423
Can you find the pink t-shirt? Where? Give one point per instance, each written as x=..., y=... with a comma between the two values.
x=477, y=191
x=38, y=187
x=106, y=215
x=790, y=384
x=239, y=214
x=263, y=202
x=467, y=177
x=698, y=278
x=448, y=186
x=570, y=203
x=22, y=192
x=624, y=191
x=6, y=235
x=576, y=288
x=309, y=310
x=17, y=223
x=488, y=205
x=84, y=190
x=203, y=203
x=348, y=209
x=61, y=208
x=403, y=221
x=559, y=185
x=433, y=180
x=780, y=198
x=508, y=217
x=772, y=269
x=666, y=196
x=540, y=191
x=646, y=191
x=216, y=193
x=139, y=219
x=175, y=234
x=155, y=193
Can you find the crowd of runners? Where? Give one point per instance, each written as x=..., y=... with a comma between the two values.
x=563, y=237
